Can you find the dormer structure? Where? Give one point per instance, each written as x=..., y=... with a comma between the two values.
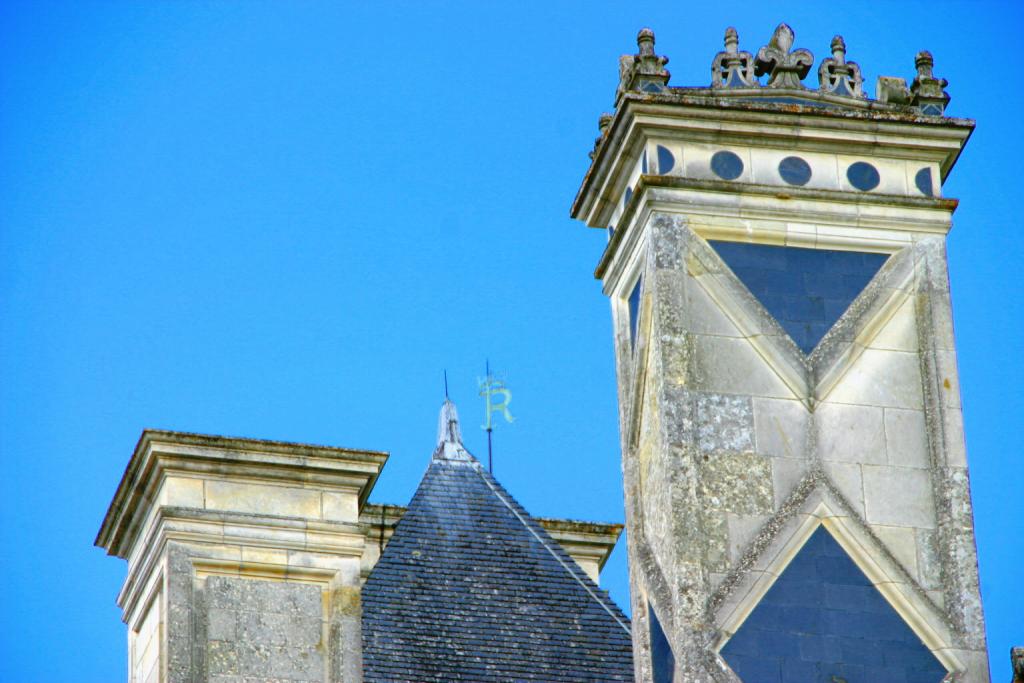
x=796, y=484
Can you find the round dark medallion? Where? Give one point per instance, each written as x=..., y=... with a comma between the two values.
x=795, y=170
x=666, y=160
x=863, y=176
x=726, y=165
x=923, y=180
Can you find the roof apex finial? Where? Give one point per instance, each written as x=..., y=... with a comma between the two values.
x=449, y=436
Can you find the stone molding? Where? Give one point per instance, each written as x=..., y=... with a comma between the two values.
x=712, y=120
x=163, y=454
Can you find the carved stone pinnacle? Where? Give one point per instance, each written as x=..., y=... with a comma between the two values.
x=644, y=71
x=836, y=75
x=732, y=68
x=928, y=93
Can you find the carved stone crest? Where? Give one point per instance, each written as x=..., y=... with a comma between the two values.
x=785, y=67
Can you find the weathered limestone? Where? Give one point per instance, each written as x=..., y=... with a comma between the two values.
x=243, y=558
x=737, y=445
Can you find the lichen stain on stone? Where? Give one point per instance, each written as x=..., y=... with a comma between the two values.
x=694, y=265
x=725, y=422
x=737, y=482
x=347, y=601
x=946, y=384
x=221, y=657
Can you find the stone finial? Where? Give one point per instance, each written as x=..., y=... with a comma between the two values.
x=732, y=68
x=603, y=124
x=644, y=71
x=785, y=67
x=1017, y=662
x=449, y=436
x=928, y=92
x=836, y=75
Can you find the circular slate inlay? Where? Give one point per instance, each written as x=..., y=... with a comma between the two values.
x=795, y=170
x=923, y=180
x=863, y=176
x=726, y=165
x=666, y=161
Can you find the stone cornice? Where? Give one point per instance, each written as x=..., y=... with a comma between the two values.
x=704, y=190
x=697, y=115
x=161, y=453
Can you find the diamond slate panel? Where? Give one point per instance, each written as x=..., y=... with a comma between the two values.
x=470, y=588
x=822, y=620
x=634, y=310
x=806, y=290
x=663, y=662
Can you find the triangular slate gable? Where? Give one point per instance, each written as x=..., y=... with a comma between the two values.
x=470, y=588
x=822, y=620
x=806, y=290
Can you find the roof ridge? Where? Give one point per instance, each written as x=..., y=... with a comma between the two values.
x=510, y=503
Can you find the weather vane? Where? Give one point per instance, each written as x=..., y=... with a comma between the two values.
x=491, y=387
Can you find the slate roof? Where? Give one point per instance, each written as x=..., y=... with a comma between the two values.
x=471, y=588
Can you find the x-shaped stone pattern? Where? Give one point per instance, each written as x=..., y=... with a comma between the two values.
x=675, y=246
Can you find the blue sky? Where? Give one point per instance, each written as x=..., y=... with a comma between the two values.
x=284, y=220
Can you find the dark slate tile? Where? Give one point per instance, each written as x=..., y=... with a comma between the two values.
x=806, y=290
x=466, y=591
x=757, y=669
x=818, y=648
x=852, y=633
x=798, y=671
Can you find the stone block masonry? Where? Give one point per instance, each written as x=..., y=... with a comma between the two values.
x=263, y=629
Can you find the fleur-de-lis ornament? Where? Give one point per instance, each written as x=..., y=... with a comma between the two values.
x=785, y=67
x=732, y=68
x=836, y=75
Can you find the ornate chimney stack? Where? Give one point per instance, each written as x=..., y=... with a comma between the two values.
x=795, y=474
